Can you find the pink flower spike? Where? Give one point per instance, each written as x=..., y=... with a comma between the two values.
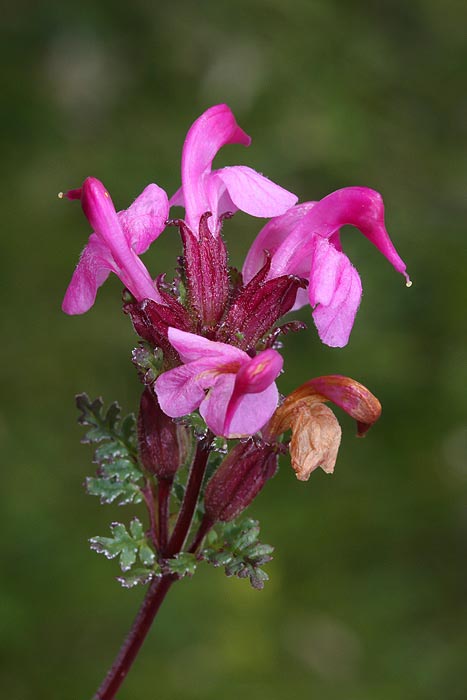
x=227, y=189
x=241, y=393
x=112, y=247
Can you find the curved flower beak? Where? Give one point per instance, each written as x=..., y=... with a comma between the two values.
x=227, y=189
x=305, y=242
x=115, y=244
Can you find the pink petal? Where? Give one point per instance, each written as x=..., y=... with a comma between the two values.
x=224, y=202
x=100, y=212
x=254, y=377
x=253, y=193
x=336, y=289
x=218, y=200
x=253, y=412
x=257, y=374
x=212, y=130
x=270, y=238
x=179, y=390
x=145, y=219
x=94, y=266
x=214, y=407
x=192, y=347
x=221, y=203
x=357, y=206
x=301, y=300
x=177, y=199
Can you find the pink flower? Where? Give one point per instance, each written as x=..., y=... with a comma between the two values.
x=114, y=246
x=305, y=242
x=227, y=189
x=241, y=394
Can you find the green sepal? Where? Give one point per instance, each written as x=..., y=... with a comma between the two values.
x=182, y=291
x=235, y=546
x=148, y=362
x=196, y=423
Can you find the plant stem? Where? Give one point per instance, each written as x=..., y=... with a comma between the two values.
x=151, y=604
x=206, y=525
x=150, y=498
x=165, y=487
x=195, y=480
x=159, y=587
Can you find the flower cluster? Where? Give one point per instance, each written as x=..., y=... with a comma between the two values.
x=216, y=328
x=219, y=330
x=209, y=357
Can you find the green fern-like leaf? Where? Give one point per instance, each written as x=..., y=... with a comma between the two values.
x=118, y=475
x=183, y=564
x=235, y=546
x=130, y=545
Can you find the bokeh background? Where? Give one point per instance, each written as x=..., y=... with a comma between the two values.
x=367, y=598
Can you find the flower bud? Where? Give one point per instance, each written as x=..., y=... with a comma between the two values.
x=163, y=444
x=258, y=305
x=240, y=477
x=206, y=270
x=151, y=320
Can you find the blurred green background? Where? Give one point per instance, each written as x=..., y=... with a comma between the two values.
x=367, y=599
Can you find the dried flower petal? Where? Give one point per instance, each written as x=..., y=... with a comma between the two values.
x=316, y=436
x=316, y=433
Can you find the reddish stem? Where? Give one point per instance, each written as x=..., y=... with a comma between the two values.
x=149, y=499
x=206, y=525
x=159, y=587
x=165, y=487
x=151, y=604
x=195, y=480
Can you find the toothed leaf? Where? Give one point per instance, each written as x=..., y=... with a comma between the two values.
x=183, y=564
x=128, y=545
x=235, y=546
x=118, y=474
x=138, y=577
